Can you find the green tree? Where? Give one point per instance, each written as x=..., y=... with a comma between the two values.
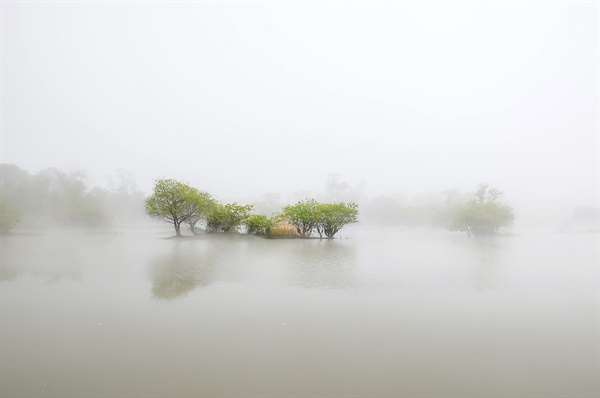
x=259, y=224
x=303, y=215
x=484, y=214
x=225, y=218
x=9, y=217
x=333, y=216
x=200, y=205
x=172, y=202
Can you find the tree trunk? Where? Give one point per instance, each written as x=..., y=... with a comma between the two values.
x=178, y=230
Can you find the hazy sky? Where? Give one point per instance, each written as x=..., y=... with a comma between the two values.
x=243, y=98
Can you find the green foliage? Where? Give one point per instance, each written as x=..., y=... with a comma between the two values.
x=303, y=215
x=325, y=218
x=226, y=218
x=199, y=206
x=259, y=224
x=9, y=217
x=173, y=202
x=483, y=214
x=333, y=216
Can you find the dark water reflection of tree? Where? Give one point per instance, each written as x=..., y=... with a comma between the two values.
x=192, y=264
x=175, y=274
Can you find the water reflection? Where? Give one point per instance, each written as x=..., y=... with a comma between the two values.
x=405, y=303
x=180, y=271
x=191, y=264
x=321, y=264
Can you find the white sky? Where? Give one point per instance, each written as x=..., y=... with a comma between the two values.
x=244, y=98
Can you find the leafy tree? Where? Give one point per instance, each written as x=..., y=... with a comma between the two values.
x=333, y=216
x=303, y=215
x=483, y=214
x=225, y=218
x=200, y=205
x=9, y=217
x=259, y=224
x=412, y=216
x=325, y=218
x=171, y=201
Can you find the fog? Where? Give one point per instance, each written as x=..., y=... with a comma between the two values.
x=248, y=98
x=402, y=107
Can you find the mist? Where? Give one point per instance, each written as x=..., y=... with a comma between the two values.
x=250, y=98
x=299, y=199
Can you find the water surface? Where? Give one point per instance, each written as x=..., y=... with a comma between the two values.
x=383, y=311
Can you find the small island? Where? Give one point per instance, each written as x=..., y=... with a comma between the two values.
x=178, y=203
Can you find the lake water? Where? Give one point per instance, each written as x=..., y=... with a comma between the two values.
x=381, y=312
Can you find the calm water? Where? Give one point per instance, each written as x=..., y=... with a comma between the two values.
x=382, y=312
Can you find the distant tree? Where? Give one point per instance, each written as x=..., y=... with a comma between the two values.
x=9, y=217
x=483, y=214
x=303, y=215
x=337, y=190
x=171, y=201
x=124, y=199
x=333, y=216
x=63, y=198
x=16, y=186
x=383, y=209
x=452, y=201
x=226, y=218
x=418, y=215
x=269, y=205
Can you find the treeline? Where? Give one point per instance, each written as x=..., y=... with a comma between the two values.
x=432, y=210
x=178, y=203
x=58, y=198
x=477, y=214
x=55, y=197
